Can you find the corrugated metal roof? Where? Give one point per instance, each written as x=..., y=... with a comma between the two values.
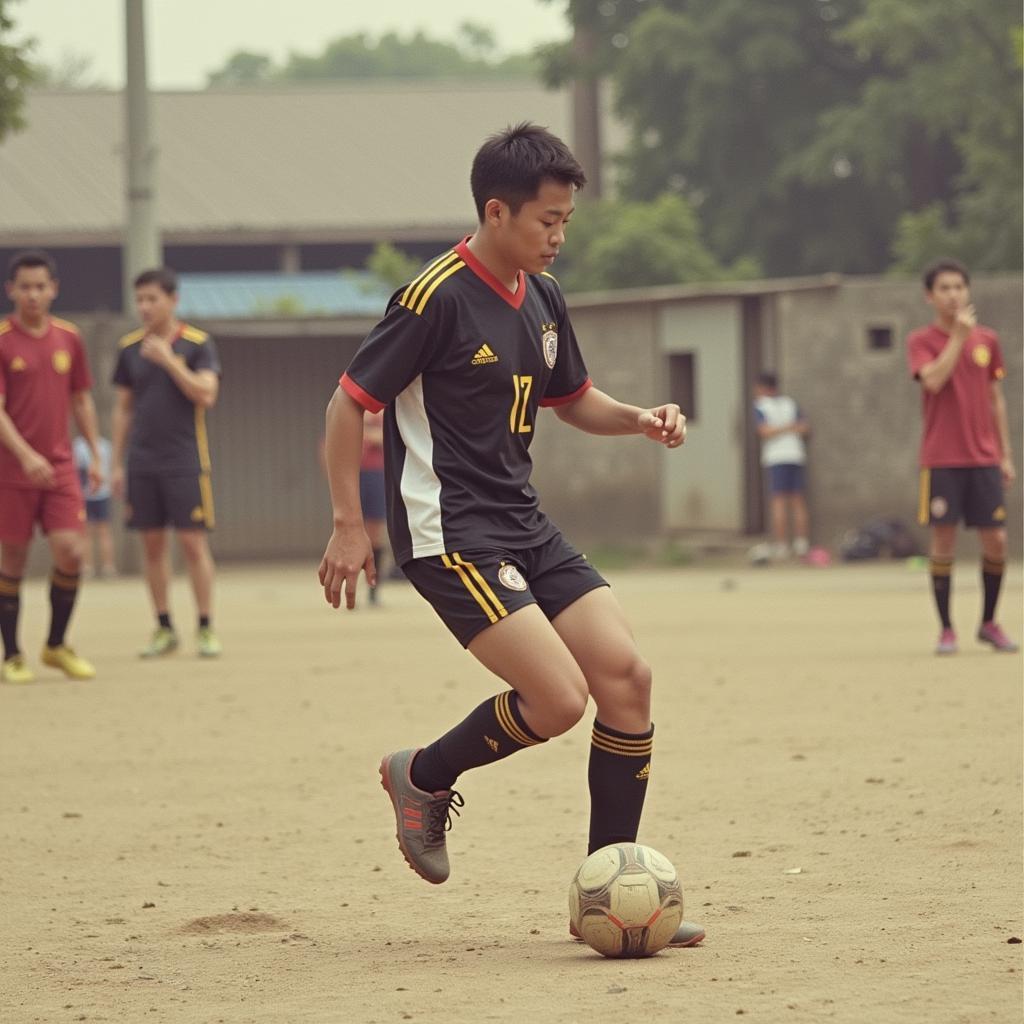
x=355, y=160
x=236, y=296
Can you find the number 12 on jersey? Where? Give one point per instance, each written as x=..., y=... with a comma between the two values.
x=521, y=384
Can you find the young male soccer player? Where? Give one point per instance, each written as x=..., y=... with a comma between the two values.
x=167, y=376
x=966, y=456
x=464, y=358
x=781, y=426
x=44, y=379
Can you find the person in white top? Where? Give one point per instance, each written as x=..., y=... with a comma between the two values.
x=782, y=427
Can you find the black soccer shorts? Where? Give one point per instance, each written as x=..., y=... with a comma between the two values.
x=473, y=589
x=184, y=502
x=971, y=493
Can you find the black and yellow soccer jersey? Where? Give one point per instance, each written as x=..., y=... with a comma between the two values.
x=168, y=433
x=462, y=365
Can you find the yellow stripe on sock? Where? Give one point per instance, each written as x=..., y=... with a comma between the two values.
x=503, y=711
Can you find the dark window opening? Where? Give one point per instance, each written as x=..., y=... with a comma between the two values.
x=879, y=338
x=682, y=374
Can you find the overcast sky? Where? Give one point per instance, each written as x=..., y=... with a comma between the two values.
x=189, y=38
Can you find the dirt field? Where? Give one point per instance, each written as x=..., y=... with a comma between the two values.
x=208, y=842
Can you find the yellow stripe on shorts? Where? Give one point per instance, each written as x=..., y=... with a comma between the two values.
x=468, y=584
x=482, y=584
x=924, y=496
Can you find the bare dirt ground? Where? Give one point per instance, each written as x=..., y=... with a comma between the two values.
x=196, y=841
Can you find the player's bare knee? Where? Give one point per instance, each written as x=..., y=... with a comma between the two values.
x=560, y=712
x=993, y=543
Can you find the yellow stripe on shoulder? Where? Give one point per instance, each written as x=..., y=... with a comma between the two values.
x=411, y=294
x=194, y=334
x=439, y=279
x=5, y=326
x=544, y=273
x=66, y=324
x=132, y=338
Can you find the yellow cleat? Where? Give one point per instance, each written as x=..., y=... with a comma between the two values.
x=15, y=670
x=68, y=662
x=208, y=644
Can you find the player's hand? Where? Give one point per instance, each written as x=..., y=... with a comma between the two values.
x=95, y=475
x=157, y=350
x=117, y=482
x=665, y=424
x=38, y=470
x=348, y=553
x=1009, y=472
x=966, y=320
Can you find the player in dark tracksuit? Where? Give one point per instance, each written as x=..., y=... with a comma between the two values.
x=467, y=354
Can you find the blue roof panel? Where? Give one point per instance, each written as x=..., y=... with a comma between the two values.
x=253, y=295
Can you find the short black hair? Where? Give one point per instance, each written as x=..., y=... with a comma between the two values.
x=943, y=266
x=31, y=258
x=166, y=278
x=768, y=380
x=512, y=164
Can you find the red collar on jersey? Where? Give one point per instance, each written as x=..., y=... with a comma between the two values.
x=514, y=299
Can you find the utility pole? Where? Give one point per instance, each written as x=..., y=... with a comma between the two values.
x=141, y=248
x=586, y=109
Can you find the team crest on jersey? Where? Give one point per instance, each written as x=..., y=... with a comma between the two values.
x=17, y=364
x=509, y=576
x=939, y=507
x=981, y=355
x=61, y=361
x=549, y=343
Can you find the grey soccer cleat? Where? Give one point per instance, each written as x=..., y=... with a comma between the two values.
x=422, y=818
x=687, y=934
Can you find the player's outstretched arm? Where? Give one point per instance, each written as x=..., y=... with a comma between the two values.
x=348, y=551
x=594, y=412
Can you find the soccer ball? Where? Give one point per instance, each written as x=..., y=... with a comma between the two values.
x=626, y=901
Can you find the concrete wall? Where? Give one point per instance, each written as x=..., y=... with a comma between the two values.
x=864, y=407
x=272, y=502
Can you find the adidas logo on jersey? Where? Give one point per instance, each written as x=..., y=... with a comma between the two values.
x=484, y=355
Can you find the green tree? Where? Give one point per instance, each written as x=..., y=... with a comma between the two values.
x=390, y=55
x=15, y=74
x=625, y=244
x=243, y=68
x=392, y=265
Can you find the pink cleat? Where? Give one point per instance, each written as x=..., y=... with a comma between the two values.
x=991, y=633
x=947, y=643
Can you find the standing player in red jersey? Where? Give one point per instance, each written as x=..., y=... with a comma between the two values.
x=44, y=379
x=966, y=456
x=463, y=360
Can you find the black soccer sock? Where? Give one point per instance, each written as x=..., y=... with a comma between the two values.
x=164, y=620
x=620, y=764
x=204, y=621
x=941, y=569
x=378, y=554
x=489, y=733
x=10, y=607
x=991, y=581
x=63, y=591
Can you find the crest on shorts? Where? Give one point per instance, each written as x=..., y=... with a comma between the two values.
x=1000, y=514
x=509, y=576
x=549, y=343
x=981, y=355
x=61, y=361
x=197, y=515
x=939, y=507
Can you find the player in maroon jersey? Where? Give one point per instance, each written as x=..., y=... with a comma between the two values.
x=966, y=455
x=464, y=358
x=44, y=380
